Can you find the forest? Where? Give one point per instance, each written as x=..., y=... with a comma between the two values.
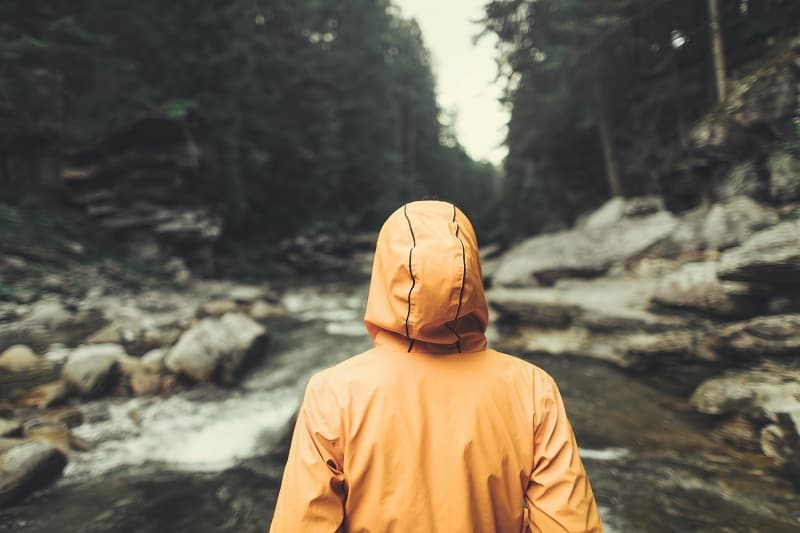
x=190, y=194
x=311, y=111
x=327, y=111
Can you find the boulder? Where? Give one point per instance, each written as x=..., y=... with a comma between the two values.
x=21, y=369
x=603, y=305
x=731, y=222
x=607, y=215
x=27, y=468
x=581, y=252
x=768, y=396
x=262, y=311
x=777, y=335
x=780, y=441
x=696, y=287
x=9, y=428
x=764, y=391
x=604, y=319
x=154, y=360
x=217, y=308
x=217, y=349
x=784, y=177
x=50, y=314
x=687, y=236
x=43, y=396
x=93, y=369
x=143, y=382
x=247, y=294
x=771, y=256
x=766, y=95
x=742, y=179
x=53, y=433
x=69, y=417
x=48, y=322
x=18, y=358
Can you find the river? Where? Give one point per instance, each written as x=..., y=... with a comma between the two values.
x=210, y=459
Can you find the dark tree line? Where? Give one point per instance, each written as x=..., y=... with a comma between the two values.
x=307, y=110
x=603, y=94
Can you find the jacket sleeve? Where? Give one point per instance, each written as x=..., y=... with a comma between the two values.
x=559, y=497
x=312, y=493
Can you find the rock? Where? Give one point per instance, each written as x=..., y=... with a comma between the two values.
x=8, y=443
x=604, y=319
x=129, y=333
x=604, y=305
x=18, y=358
x=617, y=208
x=687, y=235
x=581, y=252
x=107, y=335
x=769, y=94
x=217, y=308
x=262, y=311
x=152, y=339
x=743, y=179
x=777, y=335
x=771, y=256
x=739, y=431
x=731, y=222
x=24, y=373
x=217, y=349
x=50, y=314
x=143, y=382
x=179, y=271
x=11, y=265
x=781, y=443
x=9, y=428
x=154, y=360
x=93, y=369
x=69, y=417
x=27, y=468
x=43, y=396
x=50, y=322
x=607, y=215
x=768, y=396
x=52, y=433
x=639, y=206
x=247, y=294
x=784, y=177
x=52, y=283
x=696, y=286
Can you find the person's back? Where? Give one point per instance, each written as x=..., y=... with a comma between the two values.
x=429, y=430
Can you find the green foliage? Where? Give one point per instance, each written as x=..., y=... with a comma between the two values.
x=637, y=70
x=312, y=110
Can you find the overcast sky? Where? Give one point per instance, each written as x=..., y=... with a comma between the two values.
x=465, y=73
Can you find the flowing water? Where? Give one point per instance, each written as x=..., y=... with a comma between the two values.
x=210, y=459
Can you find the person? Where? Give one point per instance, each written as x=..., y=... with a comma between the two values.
x=429, y=430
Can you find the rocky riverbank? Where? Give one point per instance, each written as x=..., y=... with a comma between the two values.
x=96, y=339
x=705, y=305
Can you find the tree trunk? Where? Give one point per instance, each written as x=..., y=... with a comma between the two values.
x=718, y=54
x=609, y=156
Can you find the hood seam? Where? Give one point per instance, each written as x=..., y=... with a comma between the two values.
x=411, y=273
x=463, y=279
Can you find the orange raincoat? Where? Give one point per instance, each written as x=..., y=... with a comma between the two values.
x=430, y=431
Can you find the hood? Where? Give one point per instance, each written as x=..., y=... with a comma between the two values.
x=426, y=292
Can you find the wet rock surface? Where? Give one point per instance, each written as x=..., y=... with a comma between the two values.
x=27, y=468
x=581, y=252
x=769, y=256
x=679, y=315
x=217, y=349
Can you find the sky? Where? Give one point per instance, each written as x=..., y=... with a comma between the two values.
x=465, y=73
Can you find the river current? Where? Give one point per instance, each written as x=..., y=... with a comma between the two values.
x=210, y=459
